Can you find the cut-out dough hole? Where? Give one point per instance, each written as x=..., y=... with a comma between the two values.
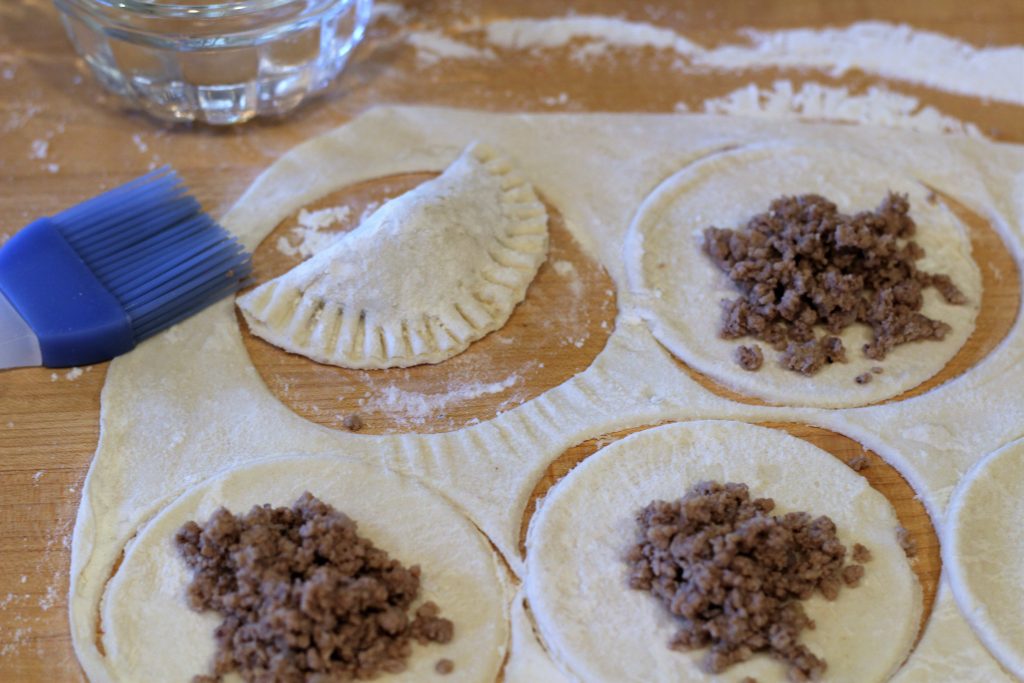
x=529, y=355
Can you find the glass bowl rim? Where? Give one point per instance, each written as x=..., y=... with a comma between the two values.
x=211, y=10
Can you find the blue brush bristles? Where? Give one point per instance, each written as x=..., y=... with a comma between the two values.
x=147, y=244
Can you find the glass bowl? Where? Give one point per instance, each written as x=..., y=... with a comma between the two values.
x=220, y=63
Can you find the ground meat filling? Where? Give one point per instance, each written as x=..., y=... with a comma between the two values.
x=735, y=574
x=803, y=265
x=303, y=596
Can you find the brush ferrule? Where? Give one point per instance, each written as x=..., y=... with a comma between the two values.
x=76, y=320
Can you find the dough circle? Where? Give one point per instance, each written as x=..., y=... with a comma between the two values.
x=983, y=552
x=598, y=629
x=681, y=289
x=151, y=634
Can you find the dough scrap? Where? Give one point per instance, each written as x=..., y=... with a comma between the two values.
x=983, y=552
x=681, y=289
x=600, y=630
x=151, y=634
x=424, y=276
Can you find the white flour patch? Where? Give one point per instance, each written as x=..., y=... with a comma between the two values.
x=139, y=143
x=410, y=407
x=308, y=237
x=814, y=101
x=40, y=148
x=433, y=46
x=893, y=51
x=600, y=32
x=392, y=11
x=73, y=374
x=567, y=271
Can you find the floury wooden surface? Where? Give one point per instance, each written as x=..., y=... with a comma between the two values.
x=62, y=140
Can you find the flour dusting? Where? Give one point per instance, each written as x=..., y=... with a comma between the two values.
x=308, y=237
x=600, y=31
x=317, y=230
x=894, y=51
x=433, y=46
x=814, y=101
x=413, y=408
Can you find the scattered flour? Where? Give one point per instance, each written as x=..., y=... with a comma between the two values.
x=567, y=271
x=37, y=476
x=415, y=408
x=391, y=11
x=559, y=99
x=73, y=374
x=8, y=73
x=890, y=50
x=876, y=106
x=601, y=31
x=40, y=148
x=433, y=46
x=139, y=143
x=893, y=51
x=53, y=168
x=307, y=237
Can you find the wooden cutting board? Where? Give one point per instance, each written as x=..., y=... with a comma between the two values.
x=48, y=420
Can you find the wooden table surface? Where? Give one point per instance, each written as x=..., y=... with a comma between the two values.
x=63, y=140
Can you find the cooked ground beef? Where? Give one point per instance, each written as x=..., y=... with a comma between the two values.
x=858, y=462
x=444, y=666
x=352, y=422
x=860, y=553
x=906, y=541
x=303, y=597
x=864, y=378
x=750, y=357
x=735, y=574
x=803, y=265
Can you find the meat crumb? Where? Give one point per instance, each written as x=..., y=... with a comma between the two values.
x=352, y=422
x=863, y=378
x=303, y=597
x=444, y=666
x=858, y=462
x=852, y=575
x=878, y=370
x=906, y=541
x=860, y=554
x=803, y=266
x=734, y=574
x=750, y=357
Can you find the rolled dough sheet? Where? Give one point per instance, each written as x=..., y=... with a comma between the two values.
x=599, y=629
x=682, y=289
x=187, y=404
x=150, y=633
x=983, y=552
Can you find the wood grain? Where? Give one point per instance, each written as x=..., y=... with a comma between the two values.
x=552, y=335
x=48, y=429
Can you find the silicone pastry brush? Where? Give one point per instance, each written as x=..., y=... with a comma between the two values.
x=95, y=280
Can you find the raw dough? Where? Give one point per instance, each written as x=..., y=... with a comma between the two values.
x=983, y=552
x=599, y=629
x=682, y=288
x=187, y=403
x=151, y=634
x=424, y=276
